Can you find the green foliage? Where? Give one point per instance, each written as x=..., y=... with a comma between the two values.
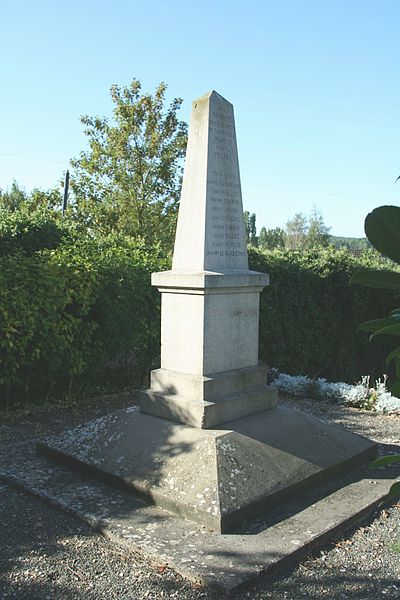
x=12, y=199
x=50, y=199
x=306, y=233
x=358, y=244
x=296, y=232
x=29, y=230
x=382, y=227
x=271, y=238
x=318, y=232
x=83, y=312
x=389, y=280
x=309, y=313
x=385, y=460
x=129, y=180
x=77, y=315
x=395, y=546
x=43, y=332
x=250, y=228
x=17, y=199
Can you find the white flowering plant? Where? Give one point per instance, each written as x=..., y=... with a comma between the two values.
x=362, y=395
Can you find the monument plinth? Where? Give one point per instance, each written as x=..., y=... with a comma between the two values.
x=209, y=442
x=210, y=299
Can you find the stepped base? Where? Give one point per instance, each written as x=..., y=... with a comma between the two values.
x=207, y=401
x=215, y=477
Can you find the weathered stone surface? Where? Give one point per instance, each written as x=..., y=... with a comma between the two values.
x=205, y=333
x=210, y=232
x=210, y=299
x=275, y=541
x=202, y=401
x=205, y=414
x=211, y=388
x=215, y=477
x=222, y=463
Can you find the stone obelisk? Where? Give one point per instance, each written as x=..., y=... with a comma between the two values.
x=210, y=300
x=209, y=442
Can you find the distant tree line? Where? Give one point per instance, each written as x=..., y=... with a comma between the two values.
x=300, y=233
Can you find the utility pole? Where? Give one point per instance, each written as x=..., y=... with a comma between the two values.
x=66, y=186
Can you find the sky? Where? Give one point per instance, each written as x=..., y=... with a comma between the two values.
x=315, y=86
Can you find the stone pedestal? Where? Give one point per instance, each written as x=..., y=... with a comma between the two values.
x=210, y=299
x=209, y=349
x=209, y=442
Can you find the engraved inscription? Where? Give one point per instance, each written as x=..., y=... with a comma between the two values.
x=223, y=187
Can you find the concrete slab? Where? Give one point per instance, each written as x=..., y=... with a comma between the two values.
x=222, y=561
x=216, y=477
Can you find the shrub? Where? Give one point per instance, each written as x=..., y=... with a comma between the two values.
x=309, y=314
x=43, y=331
x=30, y=230
x=73, y=315
x=382, y=229
x=83, y=313
x=362, y=395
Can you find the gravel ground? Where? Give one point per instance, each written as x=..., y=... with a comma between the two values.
x=48, y=554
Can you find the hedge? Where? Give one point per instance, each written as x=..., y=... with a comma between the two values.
x=73, y=316
x=29, y=230
x=77, y=312
x=309, y=314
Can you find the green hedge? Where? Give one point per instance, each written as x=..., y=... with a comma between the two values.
x=74, y=315
x=29, y=230
x=309, y=315
x=78, y=312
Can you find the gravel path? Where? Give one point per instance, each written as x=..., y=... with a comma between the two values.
x=48, y=554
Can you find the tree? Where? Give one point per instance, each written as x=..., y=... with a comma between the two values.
x=304, y=233
x=13, y=199
x=318, y=232
x=271, y=238
x=51, y=199
x=250, y=228
x=296, y=232
x=359, y=244
x=16, y=198
x=130, y=178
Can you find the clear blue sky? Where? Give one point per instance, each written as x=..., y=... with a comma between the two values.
x=315, y=85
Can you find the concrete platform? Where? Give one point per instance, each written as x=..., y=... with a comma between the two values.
x=221, y=561
x=215, y=477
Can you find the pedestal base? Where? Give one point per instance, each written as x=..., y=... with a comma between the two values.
x=215, y=477
x=205, y=402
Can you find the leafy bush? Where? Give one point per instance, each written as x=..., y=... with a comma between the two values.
x=382, y=229
x=84, y=313
x=44, y=334
x=309, y=314
x=30, y=230
x=74, y=314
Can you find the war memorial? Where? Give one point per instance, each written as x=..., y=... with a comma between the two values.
x=208, y=472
